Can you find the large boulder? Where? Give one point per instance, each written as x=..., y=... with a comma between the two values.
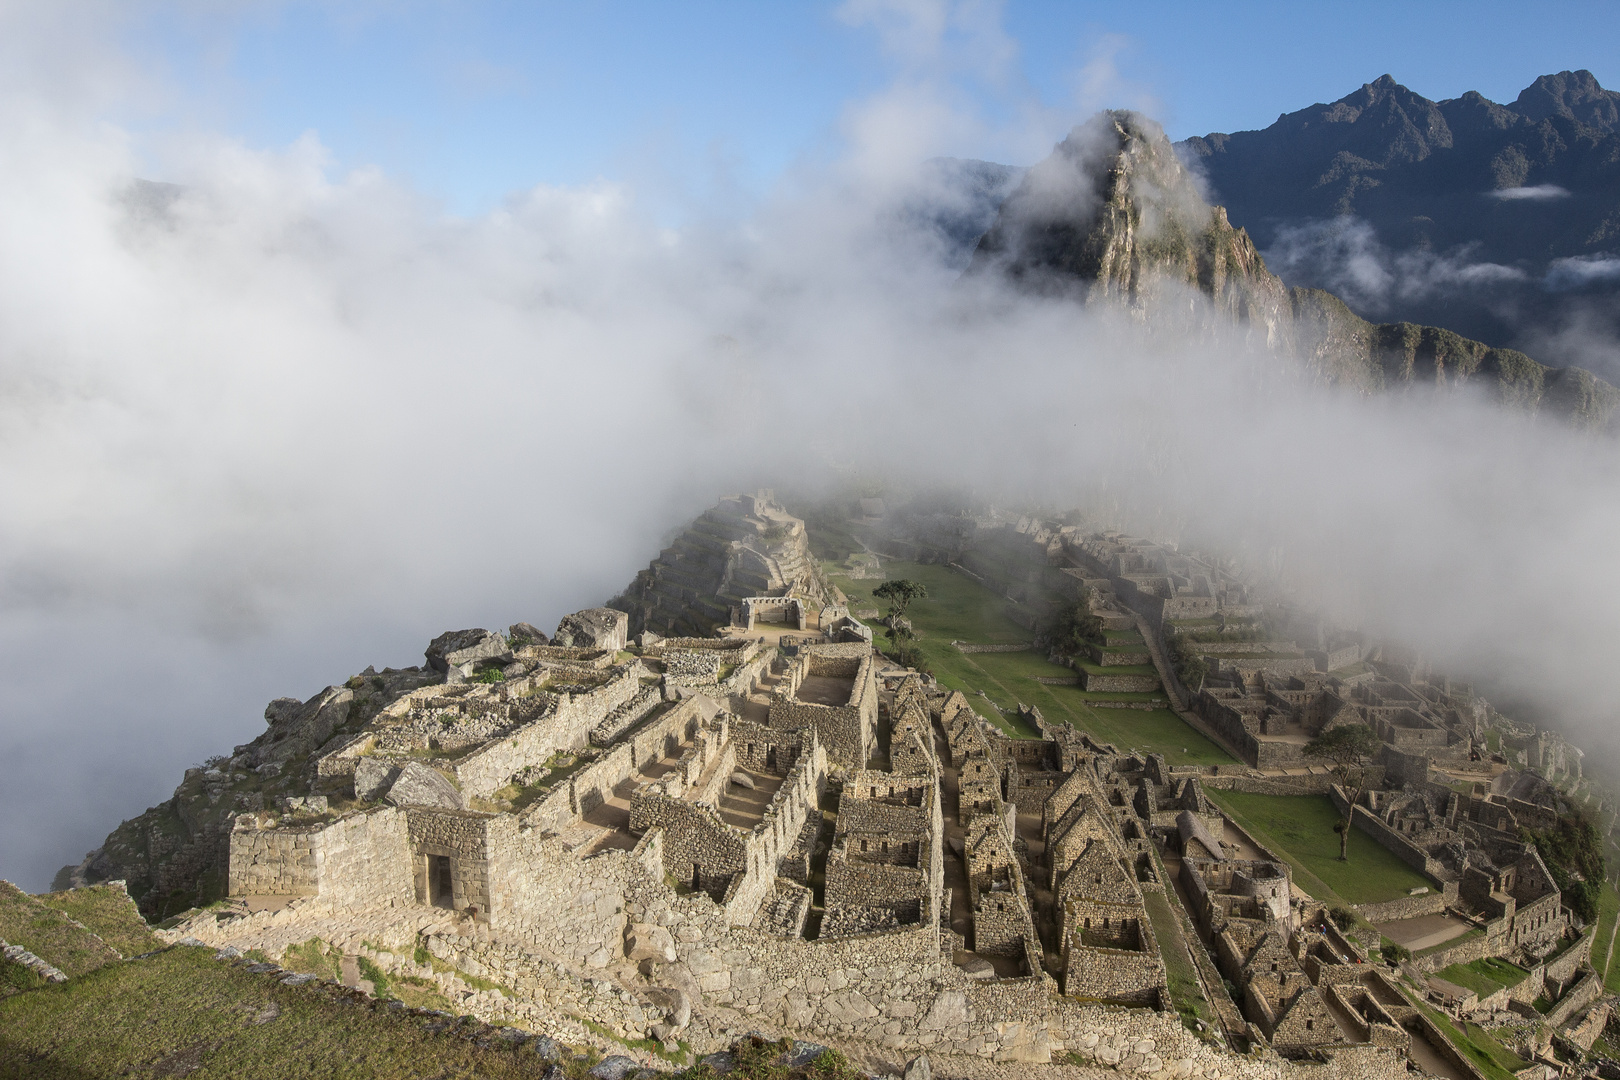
x=457, y=648
x=298, y=727
x=675, y=1002
x=522, y=631
x=422, y=785
x=372, y=777
x=646, y=941
x=594, y=628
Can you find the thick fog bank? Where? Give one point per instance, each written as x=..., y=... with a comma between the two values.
x=271, y=425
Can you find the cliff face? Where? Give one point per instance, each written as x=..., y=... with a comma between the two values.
x=747, y=545
x=1114, y=216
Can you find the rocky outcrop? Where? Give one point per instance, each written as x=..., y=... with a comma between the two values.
x=594, y=628
x=747, y=545
x=457, y=648
x=1113, y=215
x=419, y=784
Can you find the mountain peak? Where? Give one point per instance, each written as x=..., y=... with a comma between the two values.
x=1574, y=95
x=1113, y=213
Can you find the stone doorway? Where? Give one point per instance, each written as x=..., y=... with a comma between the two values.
x=441, y=886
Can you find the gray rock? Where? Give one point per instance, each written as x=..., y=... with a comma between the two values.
x=227, y=952
x=554, y=1073
x=616, y=1067
x=919, y=1069
x=801, y=1054
x=372, y=775
x=297, y=980
x=298, y=727
x=546, y=1047
x=529, y=631
x=722, y=1062
x=648, y=942
x=453, y=648
x=977, y=967
x=742, y=779
x=594, y=628
x=422, y=785
x=675, y=1002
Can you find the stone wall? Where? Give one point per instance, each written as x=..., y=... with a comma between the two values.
x=612, y=727
x=1118, y=684
x=699, y=850
x=273, y=862
x=463, y=836
x=365, y=860
x=1392, y=841
x=361, y=859
x=1433, y=902
x=1582, y=994
x=595, y=782
x=1561, y=969
x=692, y=667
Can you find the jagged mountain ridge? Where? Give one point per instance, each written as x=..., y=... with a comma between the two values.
x=1529, y=192
x=1425, y=171
x=1115, y=215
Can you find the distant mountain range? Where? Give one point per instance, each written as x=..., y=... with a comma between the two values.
x=1114, y=215
x=1499, y=221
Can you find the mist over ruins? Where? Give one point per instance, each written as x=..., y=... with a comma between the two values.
x=876, y=780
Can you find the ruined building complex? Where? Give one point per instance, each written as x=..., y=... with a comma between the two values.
x=688, y=836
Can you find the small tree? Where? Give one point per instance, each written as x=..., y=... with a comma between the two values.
x=1075, y=626
x=1347, y=749
x=900, y=593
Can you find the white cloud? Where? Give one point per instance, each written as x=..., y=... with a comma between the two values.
x=1346, y=255
x=1535, y=193
x=286, y=424
x=1577, y=271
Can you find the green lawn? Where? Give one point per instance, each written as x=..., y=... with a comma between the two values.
x=184, y=1013
x=1602, y=943
x=110, y=913
x=957, y=607
x=1475, y=1043
x=1484, y=977
x=49, y=934
x=1186, y=993
x=960, y=609
x=1300, y=829
x=1115, y=669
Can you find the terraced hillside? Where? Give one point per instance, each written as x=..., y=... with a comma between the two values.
x=747, y=545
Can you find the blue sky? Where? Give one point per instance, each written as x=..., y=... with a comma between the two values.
x=471, y=100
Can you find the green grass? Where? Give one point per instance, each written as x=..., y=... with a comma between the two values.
x=183, y=1012
x=1082, y=664
x=1494, y=1060
x=1484, y=977
x=1186, y=992
x=1299, y=828
x=957, y=607
x=960, y=609
x=108, y=911
x=49, y=934
x=1602, y=944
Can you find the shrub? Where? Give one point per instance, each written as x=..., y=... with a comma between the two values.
x=1394, y=954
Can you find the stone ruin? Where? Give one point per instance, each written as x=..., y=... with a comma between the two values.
x=683, y=832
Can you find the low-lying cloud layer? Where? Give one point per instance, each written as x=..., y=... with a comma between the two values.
x=270, y=426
